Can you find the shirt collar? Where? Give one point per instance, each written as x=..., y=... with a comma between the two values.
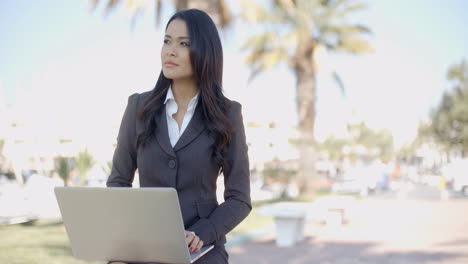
x=169, y=95
x=193, y=102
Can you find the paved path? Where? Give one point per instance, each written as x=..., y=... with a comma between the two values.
x=378, y=231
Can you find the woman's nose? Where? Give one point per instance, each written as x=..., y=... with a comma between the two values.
x=170, y=52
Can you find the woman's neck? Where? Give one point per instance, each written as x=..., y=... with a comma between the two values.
x=184, y=91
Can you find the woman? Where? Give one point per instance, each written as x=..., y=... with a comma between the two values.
x=184, y=133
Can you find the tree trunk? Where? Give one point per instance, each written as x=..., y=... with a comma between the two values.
x=306, y=98
x=181, y=4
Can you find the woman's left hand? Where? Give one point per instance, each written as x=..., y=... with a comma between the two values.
x=193, y=241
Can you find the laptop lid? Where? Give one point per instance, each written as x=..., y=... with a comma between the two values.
x=124, y=224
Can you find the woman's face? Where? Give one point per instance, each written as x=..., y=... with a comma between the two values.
x=175, y=53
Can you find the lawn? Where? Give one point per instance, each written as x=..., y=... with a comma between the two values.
x=41, y=242
x=46, y=242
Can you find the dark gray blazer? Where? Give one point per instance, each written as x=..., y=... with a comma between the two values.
x=188, y=167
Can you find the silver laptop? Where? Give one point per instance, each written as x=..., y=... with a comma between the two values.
x=125, y=224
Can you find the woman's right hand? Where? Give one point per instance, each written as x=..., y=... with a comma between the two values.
x=193, y=241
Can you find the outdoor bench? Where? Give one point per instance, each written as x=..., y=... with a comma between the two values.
x=290, y=217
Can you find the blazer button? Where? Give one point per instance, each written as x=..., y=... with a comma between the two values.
x=172, y=164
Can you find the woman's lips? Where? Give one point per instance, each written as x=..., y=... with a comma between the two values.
x=171, y=64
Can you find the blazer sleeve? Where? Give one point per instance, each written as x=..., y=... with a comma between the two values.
x=124, y=160
x=237, y=204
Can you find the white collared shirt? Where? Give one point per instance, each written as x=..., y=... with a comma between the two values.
x=171, y=108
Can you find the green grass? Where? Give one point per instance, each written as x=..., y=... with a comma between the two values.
x=41, y=242
x=46, y=242
x=251, y=222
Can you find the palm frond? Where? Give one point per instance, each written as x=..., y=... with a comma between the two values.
x=333, y=4
x=266, y=59
x=345, y=29
x=336, y=12
x=351, y=8
x=224, y=12
x=263, y=60
x=285, y=10
x=305, y=20
x=135, y=13
x=353, y=45
x=92, y=5
x=289, y=6
x=268, y=49
x=255, y=13
x=272, y=57
x=111, y=5
x=218, y=9
x=339, y=82
x=254, y=57
x=289, y=40
x=260, y=40
x=346, y=38
x=254, y=73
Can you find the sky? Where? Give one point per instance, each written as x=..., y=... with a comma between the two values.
x=394, y=87
x=59, y=61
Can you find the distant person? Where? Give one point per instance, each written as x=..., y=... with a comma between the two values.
x=185, y=132
x=442, y=183
x=444, y=195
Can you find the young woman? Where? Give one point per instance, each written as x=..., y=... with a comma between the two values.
x=185, y=132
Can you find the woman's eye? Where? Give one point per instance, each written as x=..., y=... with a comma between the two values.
x=166, y=41
x=185, y=44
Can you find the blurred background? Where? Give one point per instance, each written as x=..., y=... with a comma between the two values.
x=367, y=99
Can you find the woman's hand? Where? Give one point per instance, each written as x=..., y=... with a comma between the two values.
x=193, y=241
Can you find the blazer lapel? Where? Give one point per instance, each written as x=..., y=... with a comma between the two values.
x=162, y=133
x=194, y=128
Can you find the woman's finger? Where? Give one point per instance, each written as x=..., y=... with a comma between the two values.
x=189, y=236
x=194, y=243
x=199, y=245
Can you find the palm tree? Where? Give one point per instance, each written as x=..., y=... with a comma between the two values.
x=217, y=9
x=107, y=167
x=84, y=162
x=63, y=166
x=295, y=31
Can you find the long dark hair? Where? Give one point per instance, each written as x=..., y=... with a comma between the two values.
x=206, y=56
